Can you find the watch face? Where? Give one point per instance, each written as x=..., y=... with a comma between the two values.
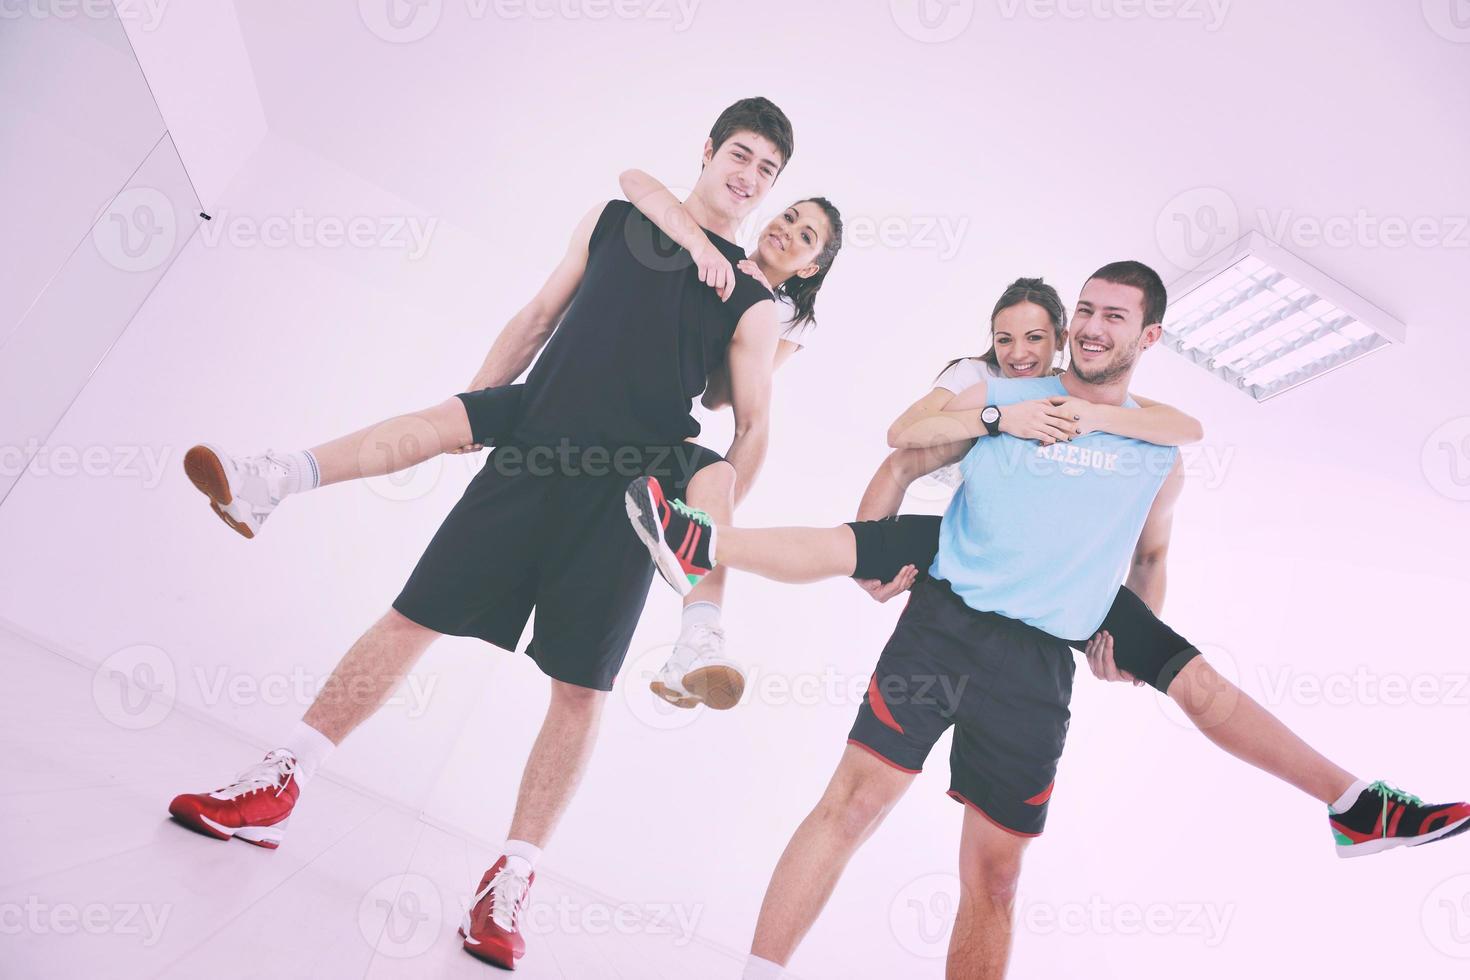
x=990, y=414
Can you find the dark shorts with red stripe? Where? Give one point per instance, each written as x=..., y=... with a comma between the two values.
x=544, y=528
x=1003, y=685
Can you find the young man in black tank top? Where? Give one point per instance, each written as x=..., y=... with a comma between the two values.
x=631, y=334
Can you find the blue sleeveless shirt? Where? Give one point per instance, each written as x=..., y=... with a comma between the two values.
x=1045, y=534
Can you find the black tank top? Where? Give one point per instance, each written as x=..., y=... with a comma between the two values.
x=637, y=344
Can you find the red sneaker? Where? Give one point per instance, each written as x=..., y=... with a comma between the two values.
x=253, y=808
x=492, y=927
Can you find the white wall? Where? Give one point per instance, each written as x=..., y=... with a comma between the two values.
x=98, y=203
x=69, y=147
x=200, y=72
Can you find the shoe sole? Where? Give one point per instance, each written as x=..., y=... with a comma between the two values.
x=203, y=468
x=719, y=687
x=643, y=515
x=267, y=837
x=672, y=696
x=1389, y=843
x=493, y=955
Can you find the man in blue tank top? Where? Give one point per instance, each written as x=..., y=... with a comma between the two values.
x=983, y=644
x=1092, y=494
x=1026, y=562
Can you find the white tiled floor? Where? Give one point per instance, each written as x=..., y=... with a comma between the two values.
x=96, y=881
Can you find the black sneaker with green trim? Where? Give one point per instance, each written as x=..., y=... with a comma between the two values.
x=1383, y=817
x=680, y=538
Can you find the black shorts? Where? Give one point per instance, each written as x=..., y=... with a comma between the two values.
x=493, y=412
x=1143, y=644
x=884, y=547
x=550, y=537
x=1003, y=685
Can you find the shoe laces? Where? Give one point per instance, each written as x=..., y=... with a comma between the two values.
x=267, y=465
x=508, y=891
x=275, y=772
x=1388, y=793
x=695, y=643
x=706, y=639
x=693, y=513
x=263, y=477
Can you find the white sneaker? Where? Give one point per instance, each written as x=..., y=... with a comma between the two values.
x=242, y=490
x=669, y=684
x=699, y=672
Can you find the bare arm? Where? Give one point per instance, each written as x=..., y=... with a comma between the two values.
x=884, y=497
x=886, y=490
x=927, y=423
x=1152, y=421
x=942, y=417
x=717, y=390
x=527, y=332
x=661, y=207
x=650, y=196
x=752, y=354
x=1146, y=575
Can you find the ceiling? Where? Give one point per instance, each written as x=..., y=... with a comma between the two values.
x=1041, y=138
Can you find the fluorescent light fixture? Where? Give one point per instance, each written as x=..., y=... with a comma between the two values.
x=1264, y=321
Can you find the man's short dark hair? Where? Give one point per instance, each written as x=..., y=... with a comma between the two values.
x=756, y=115
x=1140, y=276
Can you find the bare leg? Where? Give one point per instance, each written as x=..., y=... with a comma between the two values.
x=394, y=444
x=862, y=792
x=990, y=867
x=380, y=659
x=713, y=491
x=1234, y=721
x=788, y=554
x=368, y=673
x=557, y=761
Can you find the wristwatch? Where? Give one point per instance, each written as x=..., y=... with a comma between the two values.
x=990, y=415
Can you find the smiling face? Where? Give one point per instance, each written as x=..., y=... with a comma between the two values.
x=1108, y=332
x=1025, y=341
x=790, y=243
x=737, y=174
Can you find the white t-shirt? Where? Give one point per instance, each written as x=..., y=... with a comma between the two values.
x=964, y=374
x=956, y=378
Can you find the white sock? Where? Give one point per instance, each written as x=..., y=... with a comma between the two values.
x=1346, y=801
x=700, y=614
x=310, y=747
x=521, y=857
x=301, y=471
x=759, y=969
